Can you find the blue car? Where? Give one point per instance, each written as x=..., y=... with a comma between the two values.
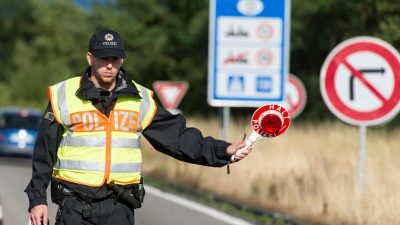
x=18, y=130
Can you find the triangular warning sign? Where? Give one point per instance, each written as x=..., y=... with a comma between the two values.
x=170, y=93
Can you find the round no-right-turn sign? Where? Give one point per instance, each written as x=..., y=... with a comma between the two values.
x=360, y=81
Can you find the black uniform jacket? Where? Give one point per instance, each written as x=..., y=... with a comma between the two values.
x=167, y=133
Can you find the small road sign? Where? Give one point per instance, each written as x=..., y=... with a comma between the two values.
x=248, y=52
x=170, y=93
x=296, y=96
x=360, y=81
x=267, y=121
x=270, y=120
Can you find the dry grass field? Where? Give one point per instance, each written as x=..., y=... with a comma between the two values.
x=310, y=172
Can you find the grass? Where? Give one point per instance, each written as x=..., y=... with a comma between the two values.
x=310, y=172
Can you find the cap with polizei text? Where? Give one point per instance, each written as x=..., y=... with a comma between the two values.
x=105, y=43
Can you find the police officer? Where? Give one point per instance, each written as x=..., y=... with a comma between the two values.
x=88, y=144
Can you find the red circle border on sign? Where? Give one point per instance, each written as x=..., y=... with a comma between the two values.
x=351, y=115
x=298, y=108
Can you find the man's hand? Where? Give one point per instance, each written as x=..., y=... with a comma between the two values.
x=39, y=214
x=233, y=150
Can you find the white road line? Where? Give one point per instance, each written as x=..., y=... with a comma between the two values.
x=196, y=206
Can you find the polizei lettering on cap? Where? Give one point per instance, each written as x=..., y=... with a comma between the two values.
x=109, y=43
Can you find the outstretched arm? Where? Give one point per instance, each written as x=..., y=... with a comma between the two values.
x=169, y=134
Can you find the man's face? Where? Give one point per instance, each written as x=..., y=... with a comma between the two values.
x=104, y=70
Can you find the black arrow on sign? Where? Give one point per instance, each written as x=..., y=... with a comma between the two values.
x=379, y=71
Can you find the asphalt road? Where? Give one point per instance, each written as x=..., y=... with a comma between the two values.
x=15, y=174
x=159, y=207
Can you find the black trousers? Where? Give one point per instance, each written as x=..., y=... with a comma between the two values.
x=106, y=212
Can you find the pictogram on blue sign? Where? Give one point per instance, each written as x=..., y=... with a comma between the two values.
x=236, y=83
x=264, y=84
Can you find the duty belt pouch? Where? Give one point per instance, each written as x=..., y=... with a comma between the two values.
x=56, y=189
x=131, y=196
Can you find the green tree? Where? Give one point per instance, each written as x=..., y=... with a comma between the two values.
x=319, y=25
x=45, y=41
x=165, y=40
x=54, y=51
x=15, y=22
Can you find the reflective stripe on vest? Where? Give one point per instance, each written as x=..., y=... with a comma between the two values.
x=96, y=166
x=96, y=149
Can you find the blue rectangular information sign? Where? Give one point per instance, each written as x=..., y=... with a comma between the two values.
x=248, y=52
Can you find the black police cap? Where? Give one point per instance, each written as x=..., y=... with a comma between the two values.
x=105, y=43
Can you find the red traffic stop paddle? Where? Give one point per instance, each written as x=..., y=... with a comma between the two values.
x=267, y=121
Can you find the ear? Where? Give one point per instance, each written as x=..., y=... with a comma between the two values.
x=89, y=58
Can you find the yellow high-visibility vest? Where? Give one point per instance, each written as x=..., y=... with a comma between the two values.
x=96, y=149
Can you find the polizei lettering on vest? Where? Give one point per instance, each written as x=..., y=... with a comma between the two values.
x=126, y=121
x=86, y=121
x=121, y=120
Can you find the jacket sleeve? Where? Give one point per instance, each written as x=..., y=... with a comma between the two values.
x=168, y=134
x=44, y=158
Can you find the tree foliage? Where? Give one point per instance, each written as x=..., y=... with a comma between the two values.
x=319, y=25
x=45, y=41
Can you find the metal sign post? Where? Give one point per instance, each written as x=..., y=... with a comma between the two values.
x=226, y=117
x=362, y=157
